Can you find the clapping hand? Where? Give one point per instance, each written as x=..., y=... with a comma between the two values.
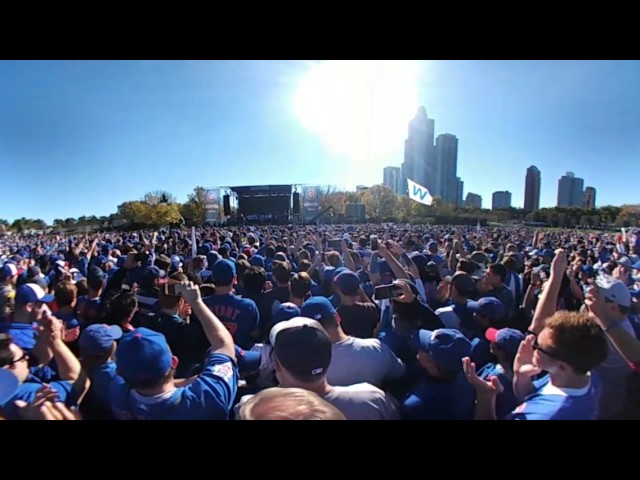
x=523, y=363
x=483, y=387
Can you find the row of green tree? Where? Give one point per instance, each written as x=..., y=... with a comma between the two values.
x=382, y=205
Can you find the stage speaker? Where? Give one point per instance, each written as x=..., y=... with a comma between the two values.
x=226, y=205
x=296, y=203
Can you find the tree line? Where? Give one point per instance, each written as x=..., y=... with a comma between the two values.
x=160, y=208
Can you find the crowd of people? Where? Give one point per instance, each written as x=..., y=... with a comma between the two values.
x=365, y=322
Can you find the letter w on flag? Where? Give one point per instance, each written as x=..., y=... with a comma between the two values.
x=419, y=193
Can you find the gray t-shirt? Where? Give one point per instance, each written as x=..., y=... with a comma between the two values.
x=448, y=317
x=613, y=373
x=358, y=360
x=363, y=402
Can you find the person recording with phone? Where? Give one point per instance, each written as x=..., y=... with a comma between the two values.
x=185, y=338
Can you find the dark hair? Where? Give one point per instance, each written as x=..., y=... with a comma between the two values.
x=467, y=266
x=241, y=267
x=281, y=271
x=82, y=287
x=6, y=355
x=304, y=265
x=65, y=294
x=300, y=285
x=254, y=279
x=121, y=308
x=499, y=270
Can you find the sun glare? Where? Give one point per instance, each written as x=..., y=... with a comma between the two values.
x=359, y=108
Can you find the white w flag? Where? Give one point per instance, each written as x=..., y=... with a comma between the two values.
x=419, y=193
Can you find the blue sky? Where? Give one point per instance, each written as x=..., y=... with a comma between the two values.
x=80, y=137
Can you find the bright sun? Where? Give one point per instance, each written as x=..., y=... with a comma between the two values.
x=359, y=108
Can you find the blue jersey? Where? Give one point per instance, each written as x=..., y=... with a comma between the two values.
x=239, y=315
x=440, y=400
x=209, y=397
x=27, y=392
x=89, y=310
x=552, y=403
x=506, y=401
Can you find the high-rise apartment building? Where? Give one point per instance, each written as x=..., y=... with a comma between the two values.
x=473, y=200
x=501, y=200
x=570, y=191
x=460, y=192
x=532, y=189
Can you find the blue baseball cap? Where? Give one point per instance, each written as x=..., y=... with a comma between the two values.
x=286, y=311
x=490, y=307
x=8, y=270
x=9, y=384
x=507, y=339
x=143, y=355
x=32, y=293
x=319, y=309
x=224, y=271
x=98, y=339
x=348, y=283
x=247, y=360
x=446, y=346
x=257, y=261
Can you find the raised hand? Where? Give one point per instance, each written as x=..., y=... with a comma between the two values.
x=559, y=263
x=407, y=296
x=492, y=387
x=190, y=293
x=523, y=363
x=70, y=335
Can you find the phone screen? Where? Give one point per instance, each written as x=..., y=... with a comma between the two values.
x=334, y=244
x=172, y=289
x=384, y=292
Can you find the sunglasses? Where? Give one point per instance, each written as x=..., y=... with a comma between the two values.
x=25, y=356
x=536, y=346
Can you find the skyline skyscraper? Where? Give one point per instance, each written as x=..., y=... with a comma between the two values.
x=570, y=190
x=532, y=185
x=418, y=162
x=460, y=193
x=392, y=178
x=589, y=198
x=446, y=168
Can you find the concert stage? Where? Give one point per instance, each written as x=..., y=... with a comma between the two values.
x=265, y=203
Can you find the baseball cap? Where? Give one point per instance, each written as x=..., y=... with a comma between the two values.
x=9, y=384
x=97, y=339
x=302, y=347
x=614, y=290
x=625, y=262
x=463, y=282
x=489, y=307
x=348, y=283
x=507, y=339
x=224, y=271
x=143, y=356
x=8, y=270
x=31, y=293
x=286, y=311
x=447, y=347
x=319, y=309
x=248, y=361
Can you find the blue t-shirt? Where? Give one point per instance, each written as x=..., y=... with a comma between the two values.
x=69, y=320
x=27, y=392
x=440, y=400
x=239, y=315
x=506, y=401
x=209, y=397
x=552, y=403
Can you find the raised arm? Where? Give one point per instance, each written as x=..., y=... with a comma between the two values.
x=548, y=300
x=219, y=337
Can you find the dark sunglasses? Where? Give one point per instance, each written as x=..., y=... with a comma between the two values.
x=536, y=346
x=25, y=356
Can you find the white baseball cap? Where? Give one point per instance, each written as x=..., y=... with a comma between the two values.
x=614, y=290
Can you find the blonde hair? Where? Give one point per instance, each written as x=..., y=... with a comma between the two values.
x=288, y=404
